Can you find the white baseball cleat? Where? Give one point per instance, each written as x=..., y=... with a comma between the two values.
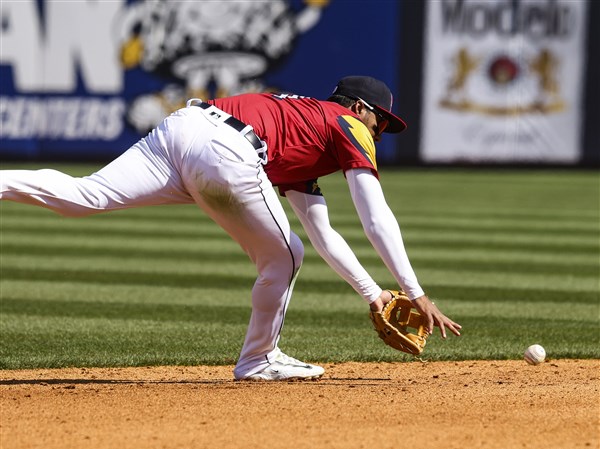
x=284, y=367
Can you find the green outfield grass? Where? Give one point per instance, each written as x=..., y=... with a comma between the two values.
x=514, y=256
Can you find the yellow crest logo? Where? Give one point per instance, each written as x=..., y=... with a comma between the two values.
x=358, y=133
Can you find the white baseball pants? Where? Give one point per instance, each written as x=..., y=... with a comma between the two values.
x=191, y=157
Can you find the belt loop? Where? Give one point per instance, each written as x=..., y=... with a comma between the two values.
x=193, y=102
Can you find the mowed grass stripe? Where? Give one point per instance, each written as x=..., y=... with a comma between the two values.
x=345, y=300
x=56, y=342
x=83, y=242
x=586, y=216
x=107, y=230
x=512, y=296
x=506, y=178
x=198, y=248
x=190, y=229
x=350, y=225
x=194, y=305
x=510, y=219
x=155, y=260
x=423, y=239
x=131, y=277
x=526, y=309
x=202, y=313
x=151, y=213
x=239, y=265
x=583, y=227
x=440, y=284
x=198, y=313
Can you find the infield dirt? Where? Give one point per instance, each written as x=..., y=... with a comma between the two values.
x=483, y=404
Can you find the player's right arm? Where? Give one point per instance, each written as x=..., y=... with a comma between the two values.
x=382, y=230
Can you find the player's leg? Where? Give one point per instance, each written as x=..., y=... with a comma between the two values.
x=231, y=186
x=142, y=176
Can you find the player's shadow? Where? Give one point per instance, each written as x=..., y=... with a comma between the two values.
x=330, y=381
x=67, y=382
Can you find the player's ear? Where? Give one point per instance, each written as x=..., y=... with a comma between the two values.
x=357, y=107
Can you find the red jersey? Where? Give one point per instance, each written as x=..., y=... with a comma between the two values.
x=306, y=138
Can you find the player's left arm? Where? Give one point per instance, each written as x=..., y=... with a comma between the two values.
x=382, y=230
x=312, y=212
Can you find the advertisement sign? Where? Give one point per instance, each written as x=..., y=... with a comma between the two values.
x=88, y=78
x=503, y=81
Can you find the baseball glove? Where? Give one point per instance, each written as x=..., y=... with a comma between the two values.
x=393, y=321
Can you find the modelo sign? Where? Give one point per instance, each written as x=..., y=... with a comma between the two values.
x=503, y=81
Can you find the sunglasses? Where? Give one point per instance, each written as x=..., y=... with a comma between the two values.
x=382, y=122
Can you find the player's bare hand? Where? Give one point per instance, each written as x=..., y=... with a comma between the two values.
x=435, y=317
x=384, y=298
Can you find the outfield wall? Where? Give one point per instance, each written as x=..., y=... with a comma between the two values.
x=478, y=81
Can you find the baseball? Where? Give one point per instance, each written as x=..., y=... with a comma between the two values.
x=535, y=354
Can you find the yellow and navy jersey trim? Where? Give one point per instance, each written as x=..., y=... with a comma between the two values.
x=360, y=137
x=312, y=187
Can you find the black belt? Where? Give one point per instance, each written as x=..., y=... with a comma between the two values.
x=239, y=126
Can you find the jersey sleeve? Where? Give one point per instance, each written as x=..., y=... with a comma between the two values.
x=354, y=144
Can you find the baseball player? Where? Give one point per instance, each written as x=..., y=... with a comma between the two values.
x=226, y=155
